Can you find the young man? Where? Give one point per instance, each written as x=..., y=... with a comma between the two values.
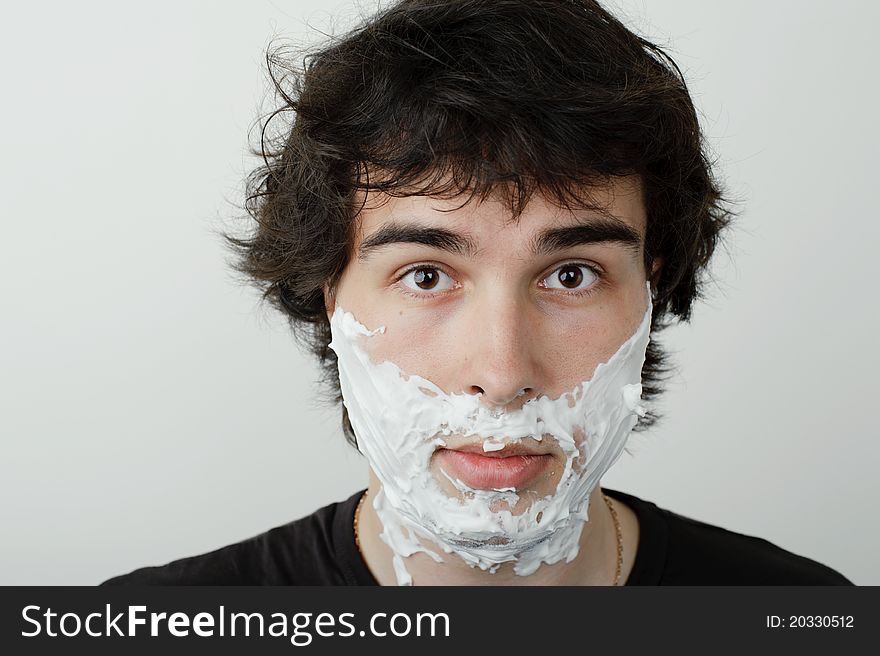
x=478, y=216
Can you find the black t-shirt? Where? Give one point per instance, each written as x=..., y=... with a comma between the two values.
x=319, y=549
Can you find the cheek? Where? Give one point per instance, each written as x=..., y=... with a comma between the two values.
x=418, y=344
x=573, y=346
x=570, y=366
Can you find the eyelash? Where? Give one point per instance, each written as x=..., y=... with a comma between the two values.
x=589, y=291
x=600, y=280
x=415, y=267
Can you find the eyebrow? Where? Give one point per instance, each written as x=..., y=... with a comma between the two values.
x=412, y=233
x=588, y=231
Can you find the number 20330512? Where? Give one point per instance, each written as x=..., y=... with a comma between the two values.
x=810, y=622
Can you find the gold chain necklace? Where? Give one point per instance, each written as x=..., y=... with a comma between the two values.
x=357, y=513
x=619, y=539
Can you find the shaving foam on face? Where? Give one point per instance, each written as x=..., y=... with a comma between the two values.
x=401, y=419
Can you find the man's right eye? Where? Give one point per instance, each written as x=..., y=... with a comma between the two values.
x=427, y=279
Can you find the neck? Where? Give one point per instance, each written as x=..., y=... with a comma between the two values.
x=595, y=564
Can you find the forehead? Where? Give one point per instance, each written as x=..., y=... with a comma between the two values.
x=621, y=201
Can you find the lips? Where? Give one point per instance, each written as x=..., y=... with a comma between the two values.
x=513, y=466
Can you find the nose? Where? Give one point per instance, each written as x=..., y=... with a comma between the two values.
x=501, y=359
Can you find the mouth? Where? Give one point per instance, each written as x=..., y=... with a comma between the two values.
x=514, y=466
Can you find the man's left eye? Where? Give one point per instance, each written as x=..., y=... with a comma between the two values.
x=570, y=276
x=426, y=278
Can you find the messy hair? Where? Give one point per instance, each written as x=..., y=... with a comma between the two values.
x=500, y=98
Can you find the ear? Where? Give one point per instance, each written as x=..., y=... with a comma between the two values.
x=329, y=301
x=656, y=267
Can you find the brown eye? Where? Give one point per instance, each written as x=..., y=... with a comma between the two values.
x=571, y=276
x=427, y=279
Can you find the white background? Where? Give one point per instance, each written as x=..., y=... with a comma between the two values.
x=150, y=410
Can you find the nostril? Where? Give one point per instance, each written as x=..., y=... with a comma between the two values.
x=499, y=403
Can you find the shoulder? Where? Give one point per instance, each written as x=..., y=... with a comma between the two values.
x=674, y=549
x=700, y=552
x=300, y=552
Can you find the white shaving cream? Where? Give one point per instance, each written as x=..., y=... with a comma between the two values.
x=401, y=419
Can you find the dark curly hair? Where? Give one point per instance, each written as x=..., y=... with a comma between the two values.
x=479, y=97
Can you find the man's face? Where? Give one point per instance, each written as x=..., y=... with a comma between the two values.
x=477, y=303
